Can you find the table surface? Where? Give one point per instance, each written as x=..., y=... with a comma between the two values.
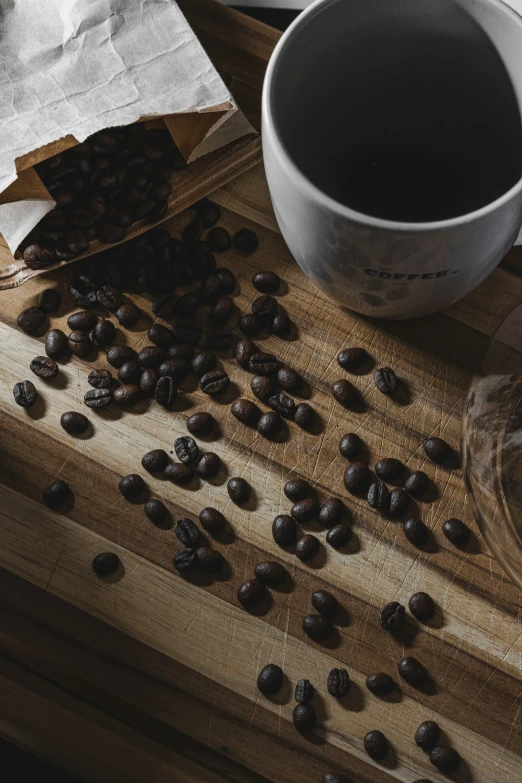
x=149, y=676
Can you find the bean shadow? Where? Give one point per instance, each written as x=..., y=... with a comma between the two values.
x=316, y=427
x=358, y=403
x=262, y=608
x=284, y=694
x=394, y=697
x=437, y=621
x=318, y=560
x=59, y=382
x=215, y=433
x=402, y=394
x=321, y=713
x=331, y=642
x=67, y=506
x=220, y=478
x=228, y=395
x=181, y=404
x=429, y=687
x=87, y=435
x=365, y=368
x=473, y=546
x=226, y=536
x=408, y=632
x=304, y=390
x=354, y=699
x=390, y=761
x=351, y=547
x=140, y=499
x=432, y=493
x=251, y=504
x=37, y=411
x=165, y=524
x=114, y=578
x=453, y=462
x=109, y=412
x=341, y=617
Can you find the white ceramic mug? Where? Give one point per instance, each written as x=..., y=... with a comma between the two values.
x=392, y=139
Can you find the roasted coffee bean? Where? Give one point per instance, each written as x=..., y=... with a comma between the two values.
x=250, y=324
x=151, y=356
x=417, y=484
x=56, y=493
x=288, y=379
x=380, y=684
x=325, y=603
x=155, y=461
x=304, y=415
x=284, y=530
x=187, y=532
x=338, y=535
x=389, y=469
x=269, y=425
x=281, y=324
x=49, y=300
x=100, y=379
x=357, y=478
x=119, y=354
x=447, y=760
x=227, y=280
x=246, y=412
x=283, y=405
x=307, y=547
x=421, y=606
x=297, y=489
x=127, y=395
x=179, y=473
x=56, y=344
x=270, y=679
x=83, y=291
x=338, y=683
x=332, y=511
x=303, y=716
x=350, y=445
x=163, y=307
x=251, y=593
x=264, y=306
x=378, y=496
x=262, y=387
x=246, y=240
x=209, y=465
x=399, y=502
x=392, y=616
x=222, y=310
x=344, y=392
x=187, y=332
x=31, y=320
x=185, y=559
x=352, y=358
x=79, y=344
x=244, y=350
x=186, y=449
x=263, y=364
x=130, y=372
x=204, y=362
x=148, y=381
x=105, y=564
x=97, y=398
x=219, y=339
x=37, y=256
x=416, y=532
x=411, y=670
x=238, y=489
x=437, y=450
x=131, y=486
x=266, y=282
x=74, y=423
x=177, y=369
x=187, y=305
x=103, y=333
x=209, y=214
x=44, y=367
x=306, y=510
x=270, y=573
x=109, y=297
x=200, y=423
x=317, y=627
x=212, y=521
x=385, y=380
x=128, y=314
x=219, y=239
x=304, y=692
x=376, y=745
x=181, y=351
x=456, y=532
x=156, y=511
x=427, y=735
x=214, y=382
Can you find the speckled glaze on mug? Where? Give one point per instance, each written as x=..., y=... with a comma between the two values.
x=446, y=74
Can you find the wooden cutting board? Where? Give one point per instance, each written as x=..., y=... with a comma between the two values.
x=151, y=677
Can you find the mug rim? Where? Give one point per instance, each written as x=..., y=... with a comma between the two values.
x=343, y=211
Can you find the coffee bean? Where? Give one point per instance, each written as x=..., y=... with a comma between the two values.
x=251, y=593
x=187, y=532
x=352, y=358
x=344, y=392
x=421, y=606
x=31, y=319
x=105, y=564
x=283, y=405
x=49, y=300
x=297, y=489
x=182, y=351
x=37, y=256
x=380, y=684
x=412, y=671
x=417, y=484
x=264, y=306
x=338, y=683
x=204, y=362
x=165, y=392
x=209, y=214
x=307, y=547
x=186, y=449
x=350, y=445
x=447, y=760
x=214, y=382
x=44, y=367
x=149, y=381
x=119, y=354
x=304, y=415
x=325, y=603
x=246, y=412
x=177, y=369
x=288, y=379
x=399, y=502
x=150, y=356
x=74, y=423
x=269, y=425
x=128, y=314
x=79, y=344
x=284, y=530
x=427, y=735
x=437, y=450
x=97, y=398
x=185, y=559
x=100, y=379
x=304, y=717
x=56, y=344
x=376, y=745
x=281, y=324
x=306, y=510
x=222, y=310
x=200, y=423
x=209, y=465
x=219, y=339
x=262, y=387
x=109, y=297
x=131, y=486
x=246, y=240
x=266, y=282
x=56, y=493
x=270, y=679
x=317, y=627
x=357, y=478
x=127, y=395
x=187, y=332
x=456, y=532
x=389, y=469
x=219, y=239
x=156, y=511
x=332, y=511
x=385, y=380
x=238, y=490
x=130, y=372
x=187, y=305
x=227, y=280
x=250, y=324
x=179, y=473
x=212, y=520
x=416, y=532
x=378, y=496
x=83, y=291
x=155, y=461
x=244, y=350
x=338, y=535
x=103, y=333
x=163, y=307
x=270, y=573
x=263, y=364
x=304, y=691
x=82, y=321
x=392, y=616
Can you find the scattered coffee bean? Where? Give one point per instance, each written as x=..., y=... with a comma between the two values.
x=74, y=423
x=338, y=535
x=222, y=310
x=79, y=344
x=417, y=484
x=412, y=670
x=399, y=502
x=212, y=521
x=262, y=387
x=204, y=362
x=306, y=510
x=270, y=679
x=392, y=616
x=416, y=532
x=127, y=395
x=380, y=684
x=44, y=367
x=281, y=324
x=344, y=392
x=250, y=324
x=266, y=282
x=456, y=532
x=385, y=380
x=105, y=564
x=269, y=425
x=357, y=478
x=184, y=351
x=338, y=683
x=187, y=532
x=209, y=214
x=427, y=735
x=109, y=297
x=437, y=450
x=165, y=392
x=304, y=717
x=56, y=344
x=284, y=530
x=186, y=449
x=82, y=321
x=130, y=372
x=214, y=382
x=263, y=364
x=49, y=300
x=227, y=279
x=332, y=511
x=283, y=405
x=251, y=593
x=100, y=379
x=97, y=398
x=155, y=461
x=325, y=603
x=307, y=547
x=447, y=760
x=246, y=240
x=264, y=306
x=103, y=333
x=219, y=239
x=185, y=559
x=421, y=606
x=288, y=379
x=119, y=354
x=31, y=319
x=270, y=573
x=376, y=745
x=128, y=314
x=379, y=496
x=389, y=469
x=238, y=490
x=352, y=358
x=150, y=356
x=304, y=415
x=246, y=412
x=208, y=466
x=304, y=691
x=297, y=489
x=179, y=473
x=200, y=423
x=56, y=493
x=187, y=332
x=132, y=486
x=244, y=350
x=350, y=445
x=156, y=511
x=187, y=305
x=148, y=381
x=317, y=627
